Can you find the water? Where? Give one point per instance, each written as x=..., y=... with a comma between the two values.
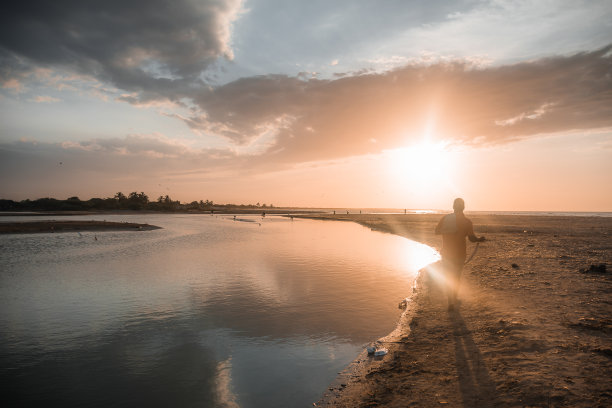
x=205, y=312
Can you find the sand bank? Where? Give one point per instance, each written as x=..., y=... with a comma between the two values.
x=31, y=227
x=534, y=328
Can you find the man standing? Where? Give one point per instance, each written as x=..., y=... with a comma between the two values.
x=455, y=228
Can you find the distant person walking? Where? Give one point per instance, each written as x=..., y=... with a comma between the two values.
x=455, y=228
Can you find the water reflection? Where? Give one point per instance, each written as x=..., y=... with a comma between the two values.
x=416, y=256
x=197, y=311
x=223, y=383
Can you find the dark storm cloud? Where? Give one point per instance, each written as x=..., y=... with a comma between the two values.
x=156, y=46
x=322, y=119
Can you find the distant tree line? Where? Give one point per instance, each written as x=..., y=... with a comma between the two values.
x=134, y=201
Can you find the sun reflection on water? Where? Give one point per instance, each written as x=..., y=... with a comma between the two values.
x=416, y=257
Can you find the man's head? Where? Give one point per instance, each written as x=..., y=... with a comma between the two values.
x=458, y=205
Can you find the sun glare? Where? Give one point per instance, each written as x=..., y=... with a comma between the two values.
x=422, y=166
x=418, y=256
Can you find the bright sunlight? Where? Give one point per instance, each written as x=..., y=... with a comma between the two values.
x=423, y=169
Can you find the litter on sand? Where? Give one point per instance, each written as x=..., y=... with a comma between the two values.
x=375, y=349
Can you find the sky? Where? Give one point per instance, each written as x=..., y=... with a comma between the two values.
x=387, y=104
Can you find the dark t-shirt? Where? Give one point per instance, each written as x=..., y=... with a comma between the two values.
x=454, y=229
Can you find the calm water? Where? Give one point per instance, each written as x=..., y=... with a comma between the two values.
x=205, y=312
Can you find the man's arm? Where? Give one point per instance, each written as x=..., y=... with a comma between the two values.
x=471, y=236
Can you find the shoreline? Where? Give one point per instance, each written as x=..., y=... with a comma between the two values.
x=533, y=328
x=364, y=362
x=53, y=226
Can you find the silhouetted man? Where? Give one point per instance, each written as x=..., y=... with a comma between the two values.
x=455, y=228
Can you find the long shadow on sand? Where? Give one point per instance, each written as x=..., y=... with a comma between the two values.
x=477, y=387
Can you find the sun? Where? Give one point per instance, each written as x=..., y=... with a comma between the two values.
x=425, y=167
x=423, y=161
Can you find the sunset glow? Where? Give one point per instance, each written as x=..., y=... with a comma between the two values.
x=430, y=102
x=272, y=203
x=423, y=167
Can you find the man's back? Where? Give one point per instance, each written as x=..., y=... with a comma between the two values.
x=453, y=239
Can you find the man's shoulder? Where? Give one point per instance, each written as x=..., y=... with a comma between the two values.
x=448, y=224
x=465, y=221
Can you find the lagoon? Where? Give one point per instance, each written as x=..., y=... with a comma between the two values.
x=208, y=311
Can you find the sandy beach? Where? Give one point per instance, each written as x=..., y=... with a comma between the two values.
x=534, y=327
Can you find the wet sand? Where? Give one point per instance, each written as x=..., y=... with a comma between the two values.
x=31, y=227
x=534, y=327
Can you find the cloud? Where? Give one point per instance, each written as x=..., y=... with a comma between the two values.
x=100, y=167
x=13, y=84
x=151, y=46
x=155, y=53
x=45, y=99
x=314, y=119
x=275, y=121
x=148, y=156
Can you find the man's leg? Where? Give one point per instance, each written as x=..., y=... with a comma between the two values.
x=455, y=278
